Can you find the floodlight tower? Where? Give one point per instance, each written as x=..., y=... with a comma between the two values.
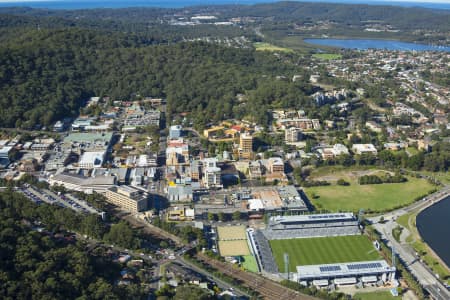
x=286, y=264
x=393, y=256
x=360, y=215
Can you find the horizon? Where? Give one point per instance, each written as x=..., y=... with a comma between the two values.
x=243, y=1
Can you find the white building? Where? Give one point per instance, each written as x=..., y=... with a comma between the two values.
x=364, y=148
x=346, y=273
x=79, y=183
x=339, y=149
x=211, y=173
x=175, y=131
x=91, y=160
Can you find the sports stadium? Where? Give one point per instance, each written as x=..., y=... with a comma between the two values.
x=320, y=249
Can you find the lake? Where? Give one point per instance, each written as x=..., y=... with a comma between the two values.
x=434, y=227
x=363, y=44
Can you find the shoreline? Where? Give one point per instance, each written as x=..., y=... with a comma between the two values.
x=427, y=245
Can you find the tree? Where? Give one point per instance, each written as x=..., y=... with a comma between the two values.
x=121, y=234
x=221, y=216
x=342, y=182
x=237, y=215
x=191, y=292
x=211, y=216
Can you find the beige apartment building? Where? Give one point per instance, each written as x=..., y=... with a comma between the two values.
x=127, y=198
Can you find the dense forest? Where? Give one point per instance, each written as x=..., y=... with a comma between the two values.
x=46, y=74
x=39, y=265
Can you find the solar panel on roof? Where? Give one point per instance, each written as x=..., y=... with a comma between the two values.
x=329, y=268
x=364, y=266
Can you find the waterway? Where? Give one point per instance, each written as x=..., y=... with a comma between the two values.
x=434, y=227
x=364, y=44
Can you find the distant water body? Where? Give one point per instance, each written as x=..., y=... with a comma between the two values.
x=363, y=44
x=83, y=4
x=434, y=227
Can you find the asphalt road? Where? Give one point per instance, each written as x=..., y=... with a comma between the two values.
x=406, y=253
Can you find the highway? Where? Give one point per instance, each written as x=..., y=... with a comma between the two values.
x=406, y=253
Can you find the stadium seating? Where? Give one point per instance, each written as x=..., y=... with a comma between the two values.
x=264, y=253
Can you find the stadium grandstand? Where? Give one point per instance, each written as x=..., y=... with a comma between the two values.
x=260, y=248
x=319, y=225
x=346, y=273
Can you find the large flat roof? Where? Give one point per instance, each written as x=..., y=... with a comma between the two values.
x=313, y=218
x=83, y=137
x=343, y=269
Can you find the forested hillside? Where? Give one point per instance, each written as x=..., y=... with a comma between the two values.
x=46, y=74
x=407, y=18
x=39, y=266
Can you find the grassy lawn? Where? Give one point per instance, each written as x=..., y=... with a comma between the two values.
x=270, y=47
x=386, y=295
x=327, y=250
x=327, y=56
x=374, y=197
x=249, y=263
x=412, y=150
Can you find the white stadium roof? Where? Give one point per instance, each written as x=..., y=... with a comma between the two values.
x=313, y=218
x=366, y=268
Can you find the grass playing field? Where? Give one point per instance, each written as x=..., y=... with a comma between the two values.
x=327, y=56
x=249, y=263
x=227, y=233
x=269, y=47
x=233, y=248
x=385, y=295
x=375, y=197
x=323, y=250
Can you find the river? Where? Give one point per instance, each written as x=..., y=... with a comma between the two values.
x=364, y=44
x=434, y=227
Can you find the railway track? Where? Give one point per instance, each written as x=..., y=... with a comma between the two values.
x=265, y=287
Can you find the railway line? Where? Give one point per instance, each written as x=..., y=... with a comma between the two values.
x=265, y=287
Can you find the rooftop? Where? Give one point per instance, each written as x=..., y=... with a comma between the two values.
x=344, y=269
x=314, y=218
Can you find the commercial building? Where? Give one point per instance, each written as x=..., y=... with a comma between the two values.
x=127, y=198
x=181, y=214
x=364, y=149
x=276, y=165
x=276, y=199
x=4, y=156
x=292, y=135
x=245, y=145
x=211, y=173
x=180, y=193
x=84, y=184
x=175, y=131
x=79, y=142
x=177, y=153
x=91, y=160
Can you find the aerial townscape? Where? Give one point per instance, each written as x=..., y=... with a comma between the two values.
x=190, y=150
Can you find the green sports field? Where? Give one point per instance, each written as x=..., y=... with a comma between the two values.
x=249, y=263
x=323, y=250
x=327, y=56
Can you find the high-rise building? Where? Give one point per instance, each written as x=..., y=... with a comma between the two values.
x=292, y=135
x=246, y=145
x=211, y=173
